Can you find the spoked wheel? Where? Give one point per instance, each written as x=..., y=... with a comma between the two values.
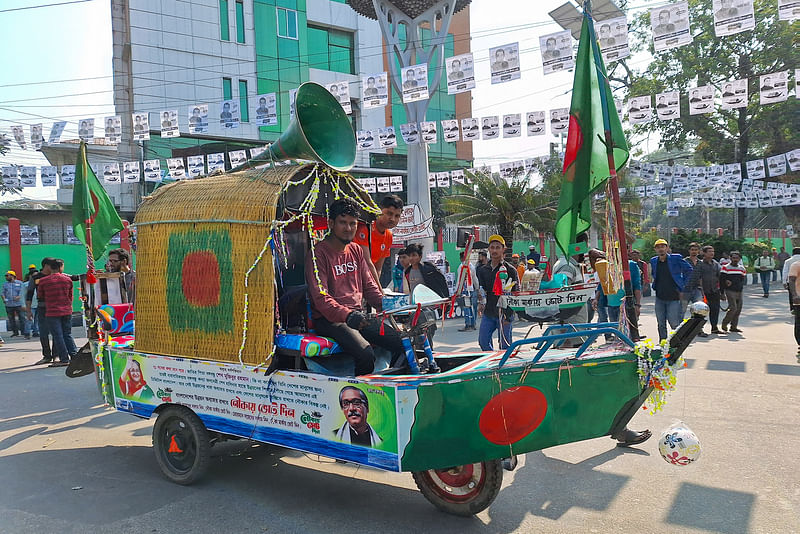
x=464, y=490
x=181, y=444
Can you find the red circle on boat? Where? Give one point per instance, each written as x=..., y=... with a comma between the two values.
x=200, y=278
x=512, y=414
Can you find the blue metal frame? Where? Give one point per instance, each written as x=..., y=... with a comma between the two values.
x=596, y=329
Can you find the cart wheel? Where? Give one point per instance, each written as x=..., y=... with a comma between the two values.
x=464, y=490
x=181, y=444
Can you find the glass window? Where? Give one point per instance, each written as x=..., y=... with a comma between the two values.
x=227, y=89
x=331, y=49
x=224, y=26
x=287, y=23
x=239, y=21
x=243, y=101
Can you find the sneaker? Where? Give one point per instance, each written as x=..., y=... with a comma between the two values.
x=715, y=331
x=702, y=334
x=44, y=361
x=59, y=364
x=734, y=329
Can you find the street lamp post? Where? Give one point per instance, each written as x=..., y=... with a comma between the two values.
x=408, y=48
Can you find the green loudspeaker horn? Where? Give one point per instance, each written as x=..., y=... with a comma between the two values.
x=320, y=131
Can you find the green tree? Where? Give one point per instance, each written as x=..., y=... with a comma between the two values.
x=738, y=135
x=508, y=204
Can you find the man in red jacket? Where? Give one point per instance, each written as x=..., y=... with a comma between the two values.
x=57, y=291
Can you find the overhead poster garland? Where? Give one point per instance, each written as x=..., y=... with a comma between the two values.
x=460, y=73
x=670, y=26
x=504, y=63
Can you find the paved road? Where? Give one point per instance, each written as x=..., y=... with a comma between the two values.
x=69, y=464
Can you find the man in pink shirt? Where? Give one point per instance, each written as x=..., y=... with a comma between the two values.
x=344, y=281
x=56, y=288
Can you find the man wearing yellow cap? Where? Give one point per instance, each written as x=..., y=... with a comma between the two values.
x=496, y=277
x=671, y=273
x=13, y=298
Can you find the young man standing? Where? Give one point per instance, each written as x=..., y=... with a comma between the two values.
x=40, y=310
x=670, y=275
x=692, y=258
x=377, y=241
x=793, y=282
x=469, y=293
x=764, y=265
x=731, y=279
x=399, y=269
x=496, y=277
x=338, y=285
x=56, y=290
x=120, y=262
x=706, y=278
x=14, y=299
x=782, y=257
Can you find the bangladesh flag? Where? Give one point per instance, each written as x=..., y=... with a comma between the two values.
x=586, y=162
x=91, y=208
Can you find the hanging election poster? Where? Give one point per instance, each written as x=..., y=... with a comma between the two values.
x=734, y=94
x=37, y=140
x=793, y=157
x=141, y=126
x=67, y=175
x=49, y=176
x=788, y=9
x=701, y=100
x=113, y=129
x=55, y=132
x=27, y=176
x=732, y=16
x=198, y=118
x=388, y=138
x=668, y=106
x=429, y=133
x=111, y=173
x=639, y=109
x=670, y=25
x=415, y=83
x=490, y=127
x=195, y=166
x=267, y=109
x=470, y=131
x=86, y=130
x=450, y=130
x=612, y=34
x=19, y=136
x=410, y=133
x=130, y=172
x=365, y=139
x=177, y=169
x=773, y=87
x=374, y=91
x=559, y=120
x=556, y=51
x=512, y=125
x=535, y=122
x=396, y=184
x=216, y=162
x=229, y=115
x=776, y=165
x=341, y=92
x=505, y=62
x=169, y=123
x=460, y=73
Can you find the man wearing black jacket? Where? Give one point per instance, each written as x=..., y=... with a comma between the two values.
x=496, y=277
x=44, y=331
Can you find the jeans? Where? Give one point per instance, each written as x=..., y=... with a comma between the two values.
x=44, y=332
x=607, y=314
x=488, y=327
x=35, y=324
x=796, y=309
x=469, y=314
x=734, y=309
x=764, y=281
x=668, y=310
x=63, y=345
x=356, y=343
x=713, y=309
x=16, y=321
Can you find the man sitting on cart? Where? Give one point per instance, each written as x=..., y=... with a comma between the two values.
x=338, y=282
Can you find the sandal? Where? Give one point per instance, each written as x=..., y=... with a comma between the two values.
x=631, y=438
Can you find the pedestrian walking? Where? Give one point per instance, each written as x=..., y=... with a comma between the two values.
x=781, y=258
x=795, y=257
x=670, y=275
x=705, y=280
x=56, y=290
x=693, y=258
x=13, y=298
x=732, y=276
x=764, y=265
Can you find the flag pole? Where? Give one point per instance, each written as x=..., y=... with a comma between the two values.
x=630, y=310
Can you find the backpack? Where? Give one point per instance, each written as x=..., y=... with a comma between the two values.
x=435, y=280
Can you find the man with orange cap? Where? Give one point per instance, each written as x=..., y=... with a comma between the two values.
x=496, y=277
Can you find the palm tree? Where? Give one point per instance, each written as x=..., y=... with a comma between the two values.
x=508, y=204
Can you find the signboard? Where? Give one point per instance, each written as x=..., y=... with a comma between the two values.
x=412, y=225
x=549, y=301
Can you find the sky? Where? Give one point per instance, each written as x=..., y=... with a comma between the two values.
x=60, y=69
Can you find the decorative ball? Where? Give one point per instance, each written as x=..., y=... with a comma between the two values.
x=699, y=308
x=678, y=445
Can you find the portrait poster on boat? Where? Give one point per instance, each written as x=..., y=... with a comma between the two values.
x=387, y=136
x=512, y=125
x=196, y=166
x=68, y=175
x=470, y=131
x=668, y=106
x=535, y=123
x=410, y=133
x=131, y=172
x=639, y=109
x=491, y=127
x=152, y=170
x=177, y=169
x=734, y=94
x=49, y=176
x=111, y=173
x=773, y=87
x=27, y=176
x=216, y=162
x=450, y=130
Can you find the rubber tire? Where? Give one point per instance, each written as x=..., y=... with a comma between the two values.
x=492, y=481
x=195, y=431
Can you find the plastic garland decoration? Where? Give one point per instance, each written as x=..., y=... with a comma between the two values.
x=655, y=371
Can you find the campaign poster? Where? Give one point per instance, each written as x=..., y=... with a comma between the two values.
x=37, y=139
x=374, y=91
x=111, y=173
x=460, y=73
x=383, y=184
x=176, y=168
x=559, y=120
x=450, y=130
x=369, y=184
x=216, y=162
x=773, y=87
x=113, y=129
x=229, y=114
x=19, y=136
x=639, y=109
x=86, y=130
x=535, y=123
x=512, y=125
x=292, y=101
x=429, y=132
x=701, y=100
x=27, y=176
x=141, y=126
x=49, y=176
x=793, y=157
x=431, y=179
x=67, y=175
x=387, y=137
x=670, y=25
x=396, y=184
x=470, y=130
x=365, y=139
x=131, y=172
x=414, y=81
x=443, y=179
x=267, y=109
x=341, y=92
x=776, y=165
x=504, y=63
x=237, y=157
x=410, y=133
x=196, y=166
x=490, y=127
x=152, y=170
x=71, y=239
x=255, y=152
x=29, y=235
x=198, y=118
x=788, y=9
x=734, y=94
x=55, y=132
x=457, y=176
x=556, y=51
x=668, y=106
x=169, y=123
x=612, y=34
x=732, y=16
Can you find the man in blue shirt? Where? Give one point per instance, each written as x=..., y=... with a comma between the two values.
x=670, y=275
x=14, y=299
